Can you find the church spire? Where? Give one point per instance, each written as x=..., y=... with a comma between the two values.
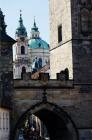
x=21, y=20
x=35, y=23
x=21, y=30
x=34, y=26
x=34, y=30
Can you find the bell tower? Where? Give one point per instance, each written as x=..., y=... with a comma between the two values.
x=21, y=62
x=71, y=39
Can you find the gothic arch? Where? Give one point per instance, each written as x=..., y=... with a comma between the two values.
x=59, y=124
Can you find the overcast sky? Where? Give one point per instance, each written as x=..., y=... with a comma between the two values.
x=30, y=8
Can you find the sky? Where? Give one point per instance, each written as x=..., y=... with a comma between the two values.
x=30, y=9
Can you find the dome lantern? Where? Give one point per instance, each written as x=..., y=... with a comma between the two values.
x=35, y=41
x=34, y=31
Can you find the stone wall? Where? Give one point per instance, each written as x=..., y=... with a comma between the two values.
x=61, y=53
x=60, y=14
x=60, y=59
x=75, y=100
x=81, y=44
x=82, y=61
x=74, y=53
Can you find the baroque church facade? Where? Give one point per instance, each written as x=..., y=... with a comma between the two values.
x=30, y=54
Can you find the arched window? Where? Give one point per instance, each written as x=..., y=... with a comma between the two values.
x=23, y=70
x=39, y=44
x=35, y=63
x=40, y=62
x=22, y=50
x=59, y=33
x=84, y=20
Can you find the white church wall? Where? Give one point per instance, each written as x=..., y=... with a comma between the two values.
x=40, y=53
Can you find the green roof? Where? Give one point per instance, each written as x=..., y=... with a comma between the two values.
x=38, y=43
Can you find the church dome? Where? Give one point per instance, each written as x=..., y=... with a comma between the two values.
x=35, y=41
x=38, y=43
x=21, y=30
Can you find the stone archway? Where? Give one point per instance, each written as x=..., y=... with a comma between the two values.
x=59, y=125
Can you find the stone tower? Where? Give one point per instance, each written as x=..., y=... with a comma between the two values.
x=71, y=38
x=6, y=79
x=6, y=68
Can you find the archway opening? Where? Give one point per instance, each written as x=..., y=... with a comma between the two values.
x=55, y=124
x=57, y=127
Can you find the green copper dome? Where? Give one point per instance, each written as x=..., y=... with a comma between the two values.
x=38, y=43
x=21, y=30
x=35, y=41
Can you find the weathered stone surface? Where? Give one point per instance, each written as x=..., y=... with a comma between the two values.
x=74, y=52
x=72, y=99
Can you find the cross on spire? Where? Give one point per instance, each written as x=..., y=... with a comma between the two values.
x=21, y=20
x=34, y=22
x=20, y=13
